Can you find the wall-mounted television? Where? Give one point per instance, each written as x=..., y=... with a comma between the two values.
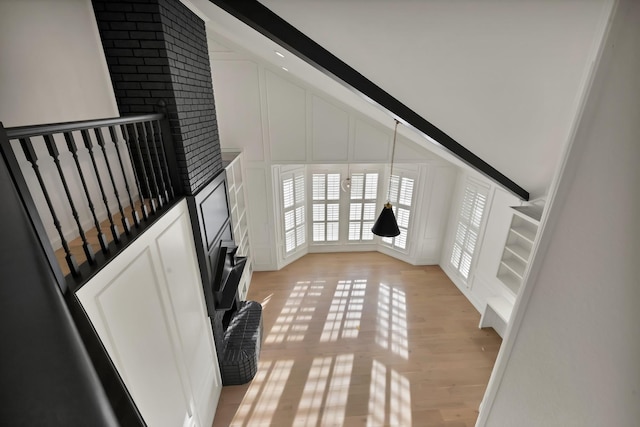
x=213, y=225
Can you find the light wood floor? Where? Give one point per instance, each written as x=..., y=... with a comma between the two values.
x=75, y=245
x=363, y=339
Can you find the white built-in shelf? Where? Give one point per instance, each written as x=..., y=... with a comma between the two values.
x=496, y=314
x=238, y=209
x=524, y=232
x=517, y=248
x=533, y=213
x=513, y=266
x=519, y=251
x=511, y=281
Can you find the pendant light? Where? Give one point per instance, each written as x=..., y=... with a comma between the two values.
x=386, y=224
x=345, y=184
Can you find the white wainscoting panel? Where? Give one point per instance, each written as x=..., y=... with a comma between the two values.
x=236, y=87
x=437, y=185
x=148, y=308
x=330, y=131
x=261, y=221
x=287, y=118
x=444, y=181
x=371, y=144
x=409, y=151
x=178, y=258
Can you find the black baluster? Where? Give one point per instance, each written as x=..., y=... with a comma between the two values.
x=127, y=142
x=155, y=142
x=164, y=160
x=154, y=179
x=55, y=154
x=32, y=158
x=89, y=146
x=73, y=148
x=114, y=139
x=124, y=220
x=145, y=177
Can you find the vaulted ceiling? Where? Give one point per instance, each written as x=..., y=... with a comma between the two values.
x=503, y=78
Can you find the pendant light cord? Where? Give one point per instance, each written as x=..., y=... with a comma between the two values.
x=393, y=153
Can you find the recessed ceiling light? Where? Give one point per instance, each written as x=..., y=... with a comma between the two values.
x=285, y=68
x=279, y=54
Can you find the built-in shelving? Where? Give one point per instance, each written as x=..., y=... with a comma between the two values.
x=239, y=220
x=517, y=249
x=512, y=267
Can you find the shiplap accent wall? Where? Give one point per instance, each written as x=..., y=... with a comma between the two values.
x=276, y=119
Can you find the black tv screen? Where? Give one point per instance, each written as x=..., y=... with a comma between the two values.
x=214, y=211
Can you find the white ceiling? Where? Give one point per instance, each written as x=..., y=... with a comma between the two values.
x=503, y=78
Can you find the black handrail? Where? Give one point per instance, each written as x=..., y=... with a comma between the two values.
x=36, y=130
x=29, y=270
x=145, y=166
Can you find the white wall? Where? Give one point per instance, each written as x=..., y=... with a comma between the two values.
x=277, y=119
x=52, y=66
x=572, y=357
x=53, y=69
x=501, y=78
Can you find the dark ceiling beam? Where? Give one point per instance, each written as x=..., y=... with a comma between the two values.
x=263, y=20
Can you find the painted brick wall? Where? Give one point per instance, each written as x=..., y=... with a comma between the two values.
x=157, y=50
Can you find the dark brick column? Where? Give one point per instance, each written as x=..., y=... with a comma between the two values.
x=156, y=51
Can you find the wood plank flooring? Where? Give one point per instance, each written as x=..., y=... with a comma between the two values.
x=75, y=245
x=362, y=339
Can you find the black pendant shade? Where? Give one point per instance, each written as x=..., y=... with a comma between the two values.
x=386, y=225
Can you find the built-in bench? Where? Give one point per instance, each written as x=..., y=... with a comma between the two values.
x=496, y=314
x=242, y=339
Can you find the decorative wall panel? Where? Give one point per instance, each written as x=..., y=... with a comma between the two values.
x=287, y=119
x=148, y=308
x=236, y=86
x=330, y=132
x=371, y=144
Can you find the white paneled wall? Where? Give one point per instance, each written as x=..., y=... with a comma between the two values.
x=433, y=206
x=371, y=143
x=261, y=220
x=276, y=119
x=286, y=118
x=245, y=109
x=148, y=308
x=330, y=130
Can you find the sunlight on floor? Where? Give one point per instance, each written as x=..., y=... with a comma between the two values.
x=389, y=397
x=266, y=301
x=391, y=324
x=293, y=321
x=326, y=392
x=361, y=348
x=261, y=400
x=343, y=319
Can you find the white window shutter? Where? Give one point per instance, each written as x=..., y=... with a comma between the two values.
x=469, y=222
